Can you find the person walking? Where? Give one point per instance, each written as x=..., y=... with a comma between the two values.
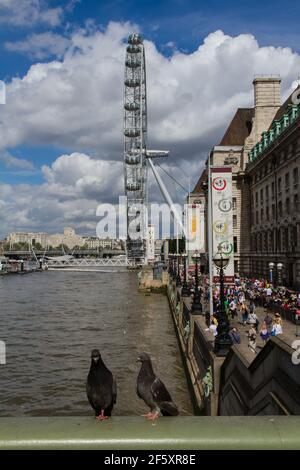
x=252, y=339
x=253, y=320
x=277, y=326
x=264, y=333
x=245, y=312
x=269, y=322
x=232, y=308
x=234, y=335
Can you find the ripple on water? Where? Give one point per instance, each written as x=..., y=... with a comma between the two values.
x=50, y=323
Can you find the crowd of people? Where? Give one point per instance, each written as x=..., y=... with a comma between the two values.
x=241, y=303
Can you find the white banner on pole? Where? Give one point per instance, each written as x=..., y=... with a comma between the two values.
x=195, y=228
x=222, y=226
x=151, y=244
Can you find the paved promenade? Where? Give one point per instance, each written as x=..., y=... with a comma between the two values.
x=288, y=336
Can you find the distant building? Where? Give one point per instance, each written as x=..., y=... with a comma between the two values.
x=94, y=243
x=68, y=238
x=31, y=239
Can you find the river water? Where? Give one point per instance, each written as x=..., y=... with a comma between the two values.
x=51, y=321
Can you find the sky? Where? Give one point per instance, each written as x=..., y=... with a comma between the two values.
x=61, y=141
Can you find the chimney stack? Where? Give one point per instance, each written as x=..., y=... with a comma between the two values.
x=266, y=104
x=267, y=92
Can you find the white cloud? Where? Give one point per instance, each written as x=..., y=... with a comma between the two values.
x=76, y=103
x=74, y=186
x=40, y=46
x=29, y=12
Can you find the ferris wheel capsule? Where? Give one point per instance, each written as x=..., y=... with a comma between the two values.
x=133, y=106
x=133, y=49
x=135, y=39
x=133, y=82
x=133, y=63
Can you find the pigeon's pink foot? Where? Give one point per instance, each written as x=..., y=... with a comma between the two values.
x=153, y=416
x=148, y=415
x=101, y=417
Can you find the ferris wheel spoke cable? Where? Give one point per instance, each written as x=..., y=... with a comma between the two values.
x=172, y=177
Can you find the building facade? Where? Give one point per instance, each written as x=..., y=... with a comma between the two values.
x=30, y=239
x=273, y=174
x=261, y=146
x=68, y=238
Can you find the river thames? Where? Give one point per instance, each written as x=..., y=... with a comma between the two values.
x=51, y=321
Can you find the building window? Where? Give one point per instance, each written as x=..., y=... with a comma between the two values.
x=287, y=205
x=267, y=193
x=296, y=204
x=261, y=214
x=235, y=245
x=286, y=239
x=265, y=242
x=279, y=239
x=256, y=198
x=234, y=221
x=295, y=176
x=279, y=185
x=267, y=213
x=273, y=189
x=273, y=211
x=295, y=236
x=261, y=196
x=280, y=208
x=257, y=218
x=287, y=180
x=234, y=203
x=271, y=242
x=236, y=267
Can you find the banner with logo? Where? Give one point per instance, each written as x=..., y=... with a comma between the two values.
x=222, y=226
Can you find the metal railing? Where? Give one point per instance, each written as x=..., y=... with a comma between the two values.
x=134, y=433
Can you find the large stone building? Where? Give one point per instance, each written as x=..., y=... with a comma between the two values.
x=29, y=238
x=68, y=238
x=251, y=134
x=273, y=176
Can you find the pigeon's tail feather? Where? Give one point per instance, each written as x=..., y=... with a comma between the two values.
x=168, y=409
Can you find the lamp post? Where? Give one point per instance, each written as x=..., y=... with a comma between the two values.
x=196, y=305
x=223, y=341
x=174, y=274
x=185, y=291
x=279, y=273
x=178, y=278
x=170, y=265
x=271, y=267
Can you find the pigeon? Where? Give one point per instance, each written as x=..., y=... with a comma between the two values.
x=153, y=391
x=101, y=387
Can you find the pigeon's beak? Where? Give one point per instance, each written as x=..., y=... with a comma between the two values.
x=138, y=359
x=96, y=359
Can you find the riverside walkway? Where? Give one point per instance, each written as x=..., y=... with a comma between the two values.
x=243, y=383
x=290, y=330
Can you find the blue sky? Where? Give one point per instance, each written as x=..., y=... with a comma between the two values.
x=35, y=34
x=183, y=22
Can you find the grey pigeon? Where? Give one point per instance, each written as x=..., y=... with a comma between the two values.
x=153, y=391
x=101, y=387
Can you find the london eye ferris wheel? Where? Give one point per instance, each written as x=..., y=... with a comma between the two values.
x=136, y=154
x=135, y=142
